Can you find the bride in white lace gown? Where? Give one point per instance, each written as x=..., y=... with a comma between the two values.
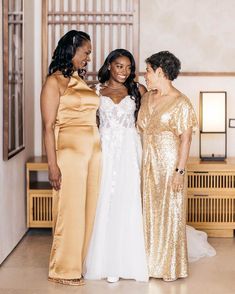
x=117, y=248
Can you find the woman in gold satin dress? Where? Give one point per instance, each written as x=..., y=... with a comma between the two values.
x=72, y=144
x=166, y=120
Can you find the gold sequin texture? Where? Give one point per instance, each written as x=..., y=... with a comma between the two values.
x=164, y=211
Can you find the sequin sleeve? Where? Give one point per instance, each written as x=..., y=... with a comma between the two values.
x=185, y=117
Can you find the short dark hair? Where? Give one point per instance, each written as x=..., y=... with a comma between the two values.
x=130, y=84
x=65, y=51
x=168, y=62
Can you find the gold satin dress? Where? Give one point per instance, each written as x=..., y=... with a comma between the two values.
x=78, y=156
x=164, y=211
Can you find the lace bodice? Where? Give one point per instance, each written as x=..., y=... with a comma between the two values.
x=114, y=115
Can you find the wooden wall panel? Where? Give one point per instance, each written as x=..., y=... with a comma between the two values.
x=110, y=23
x=13, y=86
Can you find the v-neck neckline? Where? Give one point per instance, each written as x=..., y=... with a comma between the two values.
x=164, y=106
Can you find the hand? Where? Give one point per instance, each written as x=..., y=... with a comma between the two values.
x=177, y=182
x=55, y=177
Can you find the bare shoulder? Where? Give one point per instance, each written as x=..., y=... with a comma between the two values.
x=51, y=86
x=61, y=80
x=51, y=81
x=57, y=82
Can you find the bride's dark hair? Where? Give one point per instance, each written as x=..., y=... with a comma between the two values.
x=65, y=51
x=130, y=84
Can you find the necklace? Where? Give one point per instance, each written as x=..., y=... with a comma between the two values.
x=114, y=88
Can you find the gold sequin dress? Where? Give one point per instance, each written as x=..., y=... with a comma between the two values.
x=163, y=210
x=78, y=156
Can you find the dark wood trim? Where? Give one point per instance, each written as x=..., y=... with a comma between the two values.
x=5, y=81
x=16, y=151
x=13, y=80
x=208, y=74
x=136, y=33
x=44, y=39
x=202, y=74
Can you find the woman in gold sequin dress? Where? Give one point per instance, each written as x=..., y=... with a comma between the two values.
x=73, y=150
x=166, y=121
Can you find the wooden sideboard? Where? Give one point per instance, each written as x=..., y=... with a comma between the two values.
x=211, y=196
x=39, y=194
x=210, y=203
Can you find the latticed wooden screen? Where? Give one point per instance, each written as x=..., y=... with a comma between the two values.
x=40, y=207
x=211, y=209
x=211, y=198
x=13, y=77
x=214, y=180
x=110, y=23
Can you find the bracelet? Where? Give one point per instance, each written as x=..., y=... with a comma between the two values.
x=180, y=171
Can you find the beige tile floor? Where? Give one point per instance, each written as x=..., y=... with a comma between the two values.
x=25, y=272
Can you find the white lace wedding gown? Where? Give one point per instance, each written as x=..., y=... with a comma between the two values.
x=117, y=245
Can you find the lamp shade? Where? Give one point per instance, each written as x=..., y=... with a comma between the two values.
x=213, y=107
x=213, y=130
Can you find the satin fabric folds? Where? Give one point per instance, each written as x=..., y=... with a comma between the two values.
x=164, y=211
x=78, y=156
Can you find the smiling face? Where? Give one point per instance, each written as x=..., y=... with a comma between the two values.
x=152, y=77
x=82, y=55
x=120, y=69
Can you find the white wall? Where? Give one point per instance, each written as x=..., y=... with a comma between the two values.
x=12, y=172
x=161, y=23
x=201, y=32
x=37, y=76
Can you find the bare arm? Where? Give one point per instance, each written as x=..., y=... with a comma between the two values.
x=50, y=96
x=178, y=179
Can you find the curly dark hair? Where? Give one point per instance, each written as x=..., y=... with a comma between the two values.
x=65, y=51
x=168, y=62
x=130, y=84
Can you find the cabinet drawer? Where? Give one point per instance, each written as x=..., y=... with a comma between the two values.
x=211, y=180
x=206, y=208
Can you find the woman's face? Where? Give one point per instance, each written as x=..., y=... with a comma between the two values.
x=82, y=55
x=151, y=77
x=120, y=69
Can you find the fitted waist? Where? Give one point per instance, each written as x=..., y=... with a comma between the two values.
x=117, y=127
x=76, y=118
x=68, y=126
x=74, y=136
x=161, y=134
